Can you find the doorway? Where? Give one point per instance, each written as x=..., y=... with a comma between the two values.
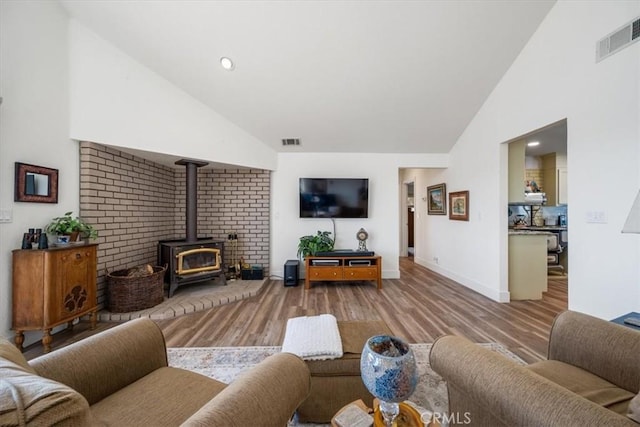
x=538, y=198
x=410, y=221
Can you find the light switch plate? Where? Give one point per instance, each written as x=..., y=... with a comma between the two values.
x=6, y=215
x=597, y=217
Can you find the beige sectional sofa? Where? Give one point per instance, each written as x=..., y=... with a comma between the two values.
x=120, y=377
x=590, y=378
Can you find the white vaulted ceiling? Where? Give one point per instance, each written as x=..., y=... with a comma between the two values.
x=344, y=76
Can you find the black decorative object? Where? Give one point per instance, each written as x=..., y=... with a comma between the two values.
x=43, y=242
x=26, y=241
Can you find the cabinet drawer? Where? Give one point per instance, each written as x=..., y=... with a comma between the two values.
x=360, y=273
x=325, y=273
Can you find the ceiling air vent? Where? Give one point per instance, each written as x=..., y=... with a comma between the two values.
x=290, y=141
x=619, y=39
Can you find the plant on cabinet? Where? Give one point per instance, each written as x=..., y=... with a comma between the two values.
x=311, y=245
x=67, y=225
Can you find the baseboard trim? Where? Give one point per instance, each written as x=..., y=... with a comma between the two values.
x=390, y=274
x=490, y=293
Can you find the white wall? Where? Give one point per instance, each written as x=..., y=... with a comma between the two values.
x=425, y=226
x=384, y=199
x=117, y=101
x=556, y=77
x=34, y=116
x=464, y=251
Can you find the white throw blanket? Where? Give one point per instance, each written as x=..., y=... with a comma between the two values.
x=313, y=337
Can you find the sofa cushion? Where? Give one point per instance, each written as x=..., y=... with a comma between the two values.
x=28, y=399
x=166, y=396
x=634, y=409
x=585, y=384
x=353, y=334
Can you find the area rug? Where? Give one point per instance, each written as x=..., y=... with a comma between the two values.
x=226, y=363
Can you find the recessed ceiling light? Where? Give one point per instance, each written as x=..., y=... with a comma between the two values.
x=533, y=144
x=227, y=63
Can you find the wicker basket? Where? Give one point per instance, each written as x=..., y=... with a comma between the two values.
x=127, y=294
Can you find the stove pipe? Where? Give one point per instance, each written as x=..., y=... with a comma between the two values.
x=192, y=197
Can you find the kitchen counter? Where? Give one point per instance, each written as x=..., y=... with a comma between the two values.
x=528, y=232
x=548, y=230
x=539, y=228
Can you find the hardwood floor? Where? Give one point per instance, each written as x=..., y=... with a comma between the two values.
x=418, y=307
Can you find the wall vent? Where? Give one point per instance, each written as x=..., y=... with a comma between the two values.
x=290, y=141
x=618, y=40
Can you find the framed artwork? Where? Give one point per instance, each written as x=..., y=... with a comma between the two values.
x=437, y=200
x=459, y=205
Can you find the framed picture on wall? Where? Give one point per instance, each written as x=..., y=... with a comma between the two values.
x=35, y=184
x=459, y=205
x=437, y=199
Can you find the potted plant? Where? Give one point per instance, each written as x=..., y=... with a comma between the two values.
x=311, y=245
x=68, y=225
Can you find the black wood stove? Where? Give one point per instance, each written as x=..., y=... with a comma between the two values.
x=193, y=259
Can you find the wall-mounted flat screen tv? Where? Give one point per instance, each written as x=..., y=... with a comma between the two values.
x=334, y=198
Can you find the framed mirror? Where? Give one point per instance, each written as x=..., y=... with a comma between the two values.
x=35, y=184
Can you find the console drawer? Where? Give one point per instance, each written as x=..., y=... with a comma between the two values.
x=325, y=273
x=360, y=273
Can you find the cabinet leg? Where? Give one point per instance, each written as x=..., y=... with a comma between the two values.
x=93, y=318
x=19, y=339
x=46, y=340
x=70, y=325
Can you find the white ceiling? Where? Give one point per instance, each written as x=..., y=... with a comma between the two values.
x=344, y=76
x=552, y=139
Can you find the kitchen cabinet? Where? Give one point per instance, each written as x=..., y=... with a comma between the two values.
x=554, y=169
x=562, y=186
x=527, y=265
x=517, y=171
x=52, y=287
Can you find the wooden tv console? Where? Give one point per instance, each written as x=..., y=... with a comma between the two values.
x=343, y=269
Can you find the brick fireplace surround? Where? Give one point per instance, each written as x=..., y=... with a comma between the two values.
x=134, y=203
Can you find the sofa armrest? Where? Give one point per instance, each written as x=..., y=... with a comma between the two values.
x=100, y=365
x=603, y=348
x=487, y=388
x=266, y=395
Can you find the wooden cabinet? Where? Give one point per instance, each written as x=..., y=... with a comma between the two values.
x=562, y=198
x=343, y=269
x=52, y=287
x=517, y=171
x=554, y=169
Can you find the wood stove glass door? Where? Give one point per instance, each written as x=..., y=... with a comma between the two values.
x=197, y=261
